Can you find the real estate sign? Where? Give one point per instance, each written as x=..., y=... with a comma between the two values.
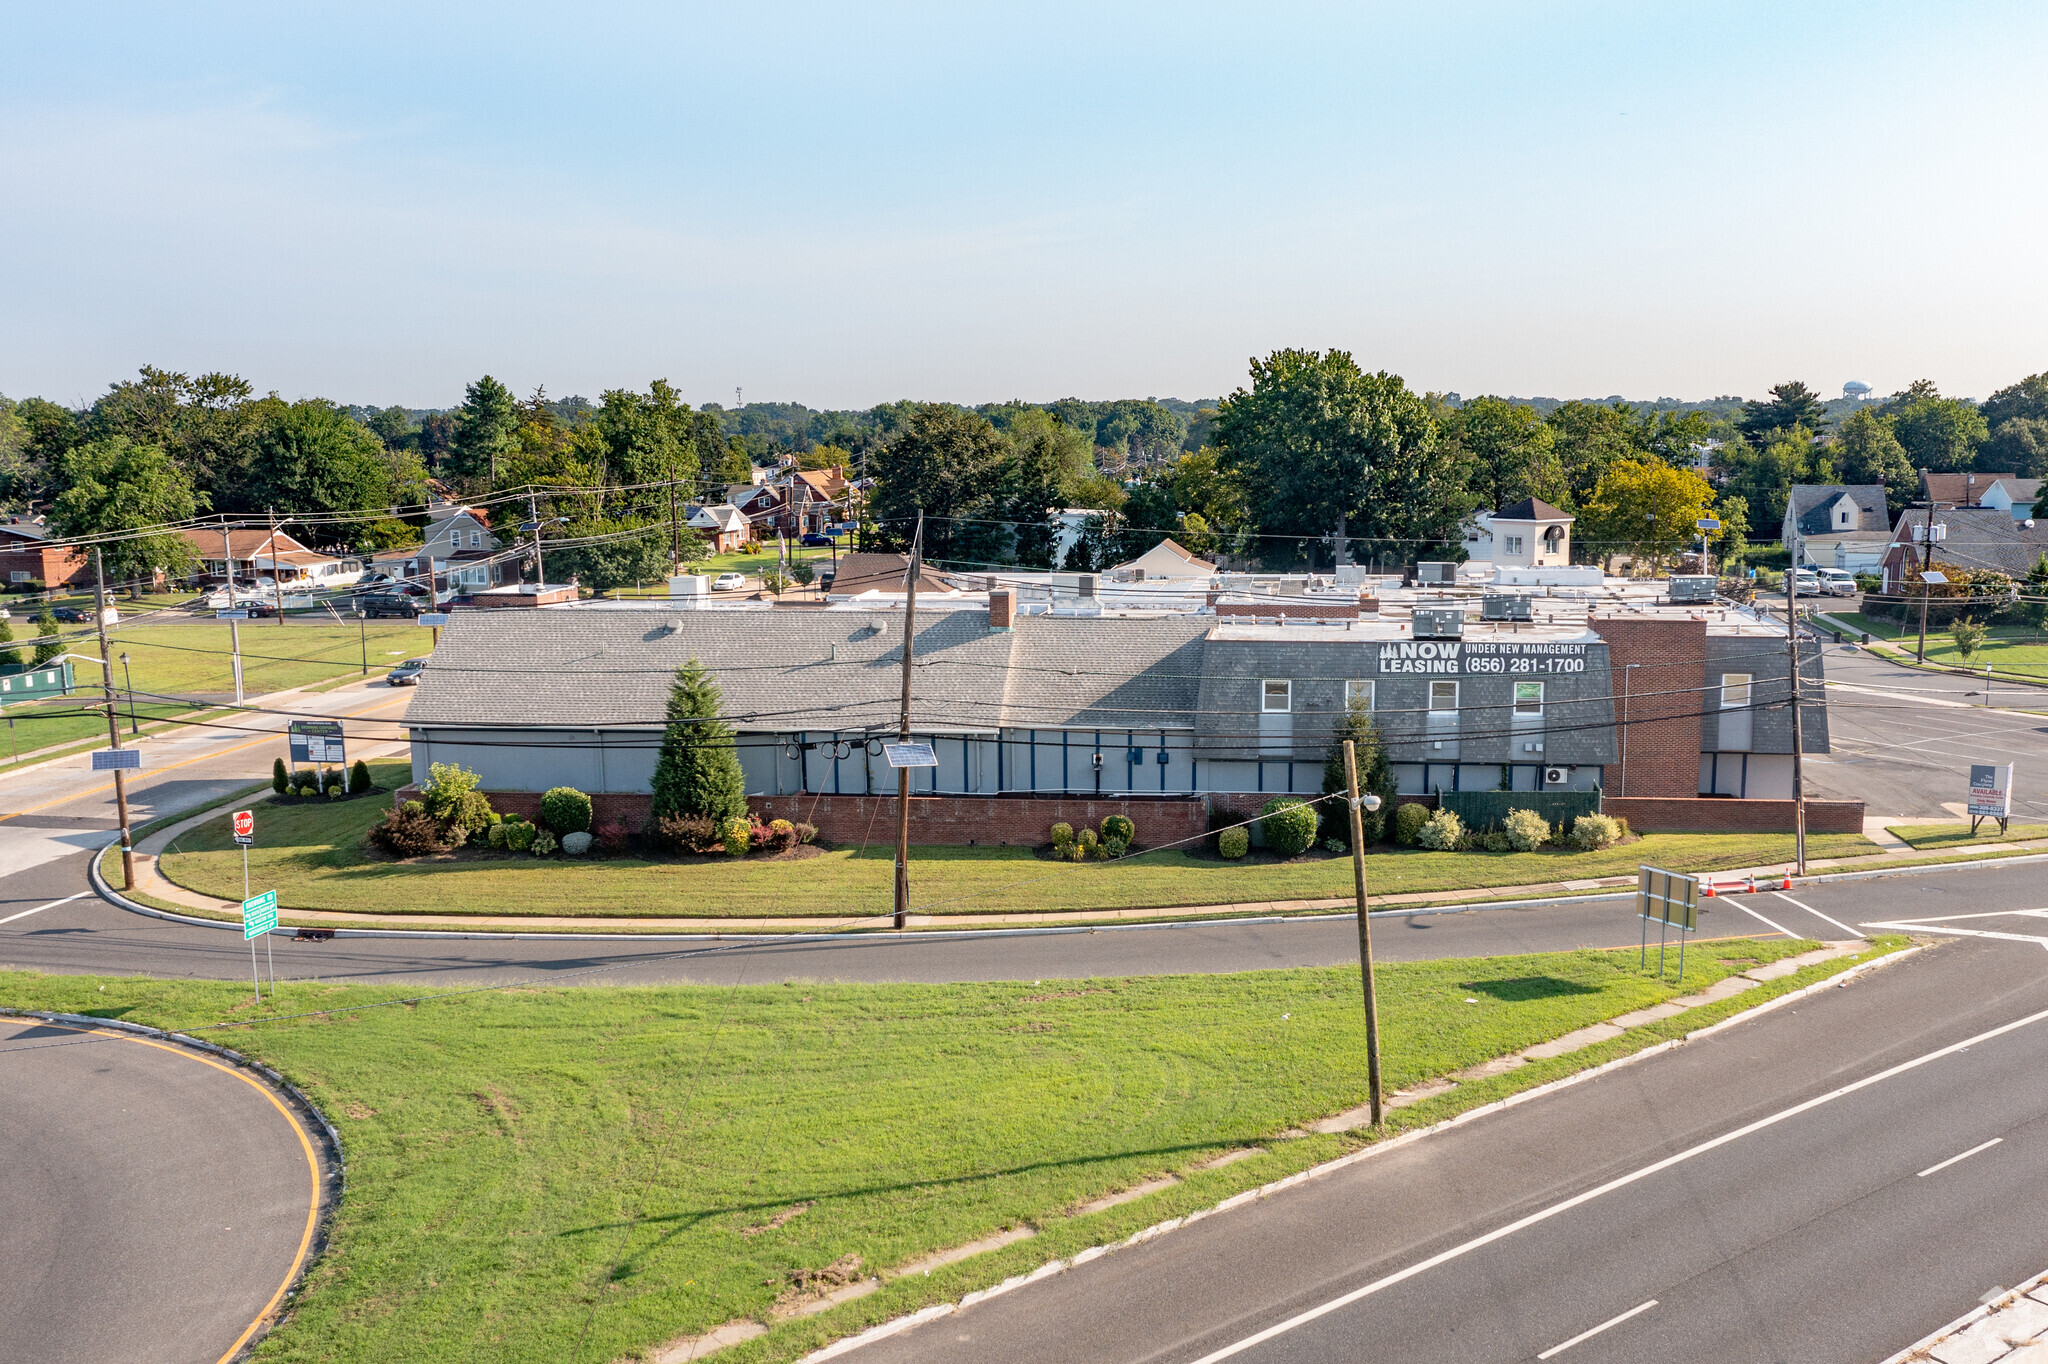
x=1990, y=791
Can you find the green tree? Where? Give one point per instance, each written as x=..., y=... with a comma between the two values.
x=2034, y=601
x=48, y=642
x=1866, y=451
x=112, y=485
x=1647, y=509
x=16, y=473
x=1763, y=478
x=1050, y=461
x=311, y=457
x=1587, y=440
x=394, y=426
x=698, y=773
x=1506, y=453
x=2028, y=398
x=1969, y=637
x=1791, y=405
x=615, y=554
x=1320, y=447
x=1374, y=772
x=205, y=424
x=484, y=428
x=10, y=657
x=653, y=438
x=1941, y=434
x=947, y=462
x=2018, y=444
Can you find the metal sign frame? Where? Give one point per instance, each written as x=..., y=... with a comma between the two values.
x=1996, y=802
x=1670, y=899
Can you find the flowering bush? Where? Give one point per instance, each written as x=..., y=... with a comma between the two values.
x=1441, y=832
x=1526, y=830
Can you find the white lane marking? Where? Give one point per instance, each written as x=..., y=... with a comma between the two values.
x=1754, y=915
x=1896, y=695
x=1816, y=913
x=40, y=908
x=1588, y=1335
x=1953, y=1159
x=1921, y=925
x=1620, y=1182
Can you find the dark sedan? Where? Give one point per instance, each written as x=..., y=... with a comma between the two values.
x=407, y=674
x=817, y=540
x=75, y=614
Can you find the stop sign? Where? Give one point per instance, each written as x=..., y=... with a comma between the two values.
x=245, y=823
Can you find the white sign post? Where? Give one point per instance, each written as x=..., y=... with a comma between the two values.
x=1990, y=794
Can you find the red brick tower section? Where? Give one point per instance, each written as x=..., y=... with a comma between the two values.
x=1660, y=699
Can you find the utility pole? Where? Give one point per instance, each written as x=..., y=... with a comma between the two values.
x=675, y=531
x=227, y=558
x=99, y=594
x=540, y=571
x=1798, y=725
x=903, y=727
x=1929, y=533
x=276, y=570
x=1372, y=1008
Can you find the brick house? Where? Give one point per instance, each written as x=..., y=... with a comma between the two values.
x=26, y=555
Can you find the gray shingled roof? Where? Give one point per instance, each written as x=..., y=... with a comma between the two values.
x=1810, y=501
x=1979, y=537
x=796, y=670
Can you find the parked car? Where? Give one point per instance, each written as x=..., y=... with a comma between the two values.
x=71, y=613
x=816, y=539
x=380, y=604
x=407, y=674
x=728, y=582
x=1803, y=583
x=1838, y=582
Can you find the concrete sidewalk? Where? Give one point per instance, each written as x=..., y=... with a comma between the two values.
x=2010, y=1329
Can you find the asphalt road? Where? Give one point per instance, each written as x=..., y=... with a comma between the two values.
x=1742, y=1196
x=156, y=1203
x=1904, y=740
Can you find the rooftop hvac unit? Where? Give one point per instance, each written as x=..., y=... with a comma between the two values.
x=1506, y=608
x=1694, y=587
x=1558, y=776
x=1439, y=622
x=1436, y=574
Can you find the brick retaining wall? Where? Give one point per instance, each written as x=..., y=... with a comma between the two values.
x=1703, y=815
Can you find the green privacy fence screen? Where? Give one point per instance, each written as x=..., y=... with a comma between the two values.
x=1481, y=809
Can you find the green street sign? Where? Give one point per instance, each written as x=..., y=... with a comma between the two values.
x=259, y=914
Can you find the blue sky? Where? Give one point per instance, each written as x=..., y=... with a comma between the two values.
x=841, y=205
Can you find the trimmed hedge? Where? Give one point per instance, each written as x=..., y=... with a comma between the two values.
x=1288, y=824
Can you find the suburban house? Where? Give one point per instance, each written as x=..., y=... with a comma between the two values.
x=1164, y=560
x=725, y=528
x=1156, y=711
x=252, y=554
x=1531, y=534
x=1973, y=537
x=2016, y=495
x=27, y=556
x=883, y=572
x=1956, y=490
x=1845, y=526
x=462, y=548
x=813, y=500
x=1476, y=533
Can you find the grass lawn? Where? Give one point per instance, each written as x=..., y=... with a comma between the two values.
x=195, y=656
x=312, y=856
x=1924, y=836
x=42, y=724
x=556, y=1173
x=2018, y=649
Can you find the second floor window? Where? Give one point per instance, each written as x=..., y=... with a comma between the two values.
x=1514, y=544
x=1734, y=690
x=1278, y=696
x=1358, y=693
x=1443, y=697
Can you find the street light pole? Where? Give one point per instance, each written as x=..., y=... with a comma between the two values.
x=1369, y=801
x=99, y=591
x=128, y=683
x=903, y=727
x=1798, y=709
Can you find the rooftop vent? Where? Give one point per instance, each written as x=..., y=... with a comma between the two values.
x=1506, y=608
x=1439, y=622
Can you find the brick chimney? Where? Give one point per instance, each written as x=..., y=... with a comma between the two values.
x=1002, y=608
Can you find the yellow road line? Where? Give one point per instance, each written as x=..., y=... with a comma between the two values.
x=305, y=1145
x=187, y=762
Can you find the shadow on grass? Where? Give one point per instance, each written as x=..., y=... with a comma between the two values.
x=1523, y=988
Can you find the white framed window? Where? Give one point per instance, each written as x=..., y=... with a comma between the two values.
x=1278, y=695
x=1734, y=690
x=1358, y=692
x=476, y=539
x=1443, y=697
x=1528, y=699
x=1514, y=544
x=17, y=575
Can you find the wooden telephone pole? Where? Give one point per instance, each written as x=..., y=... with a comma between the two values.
x=1372, y=1008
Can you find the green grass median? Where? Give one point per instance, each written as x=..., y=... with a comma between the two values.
x=544, y=1173
x=312, y=855
x=1922, y=837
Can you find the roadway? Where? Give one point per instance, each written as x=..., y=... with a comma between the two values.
x=1826, y=1182
x=157, y=1203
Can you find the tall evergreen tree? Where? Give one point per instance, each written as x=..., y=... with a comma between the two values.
x=10, y=657
x=1374, y=772
x=48, y=644
x=485, y=427
x=698, y=774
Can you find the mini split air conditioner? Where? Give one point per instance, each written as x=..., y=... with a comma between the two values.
x=1555, y=776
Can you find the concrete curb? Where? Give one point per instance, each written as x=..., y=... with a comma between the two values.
x=937, y=1310
x=1920, y=1349
x=332, y=1186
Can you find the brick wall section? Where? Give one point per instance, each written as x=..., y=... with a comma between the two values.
x=1716, y=816
x=1662, y=736
x=1007, y=821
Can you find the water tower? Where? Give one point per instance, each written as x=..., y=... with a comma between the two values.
x=1856, y=388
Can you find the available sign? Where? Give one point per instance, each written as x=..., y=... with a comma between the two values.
x=317, y=741
x=259, y=914
x=1990, y=791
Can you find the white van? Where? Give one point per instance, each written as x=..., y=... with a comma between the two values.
x=1838, y=582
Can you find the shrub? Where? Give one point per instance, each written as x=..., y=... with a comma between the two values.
x=1526, y=831
x=1408, y=822
x=1119, y=827
x=335, y=792
x=496, y=835
x=1087, y=838
x=1590, y=833
x=302, y=780
x=1494, y=840
x=613, y=838
x=279, y=782
x=472, y=812
x=1621, y=825
x=566, y=810
x=738, y=834
x=1112, y=846
x=407, y=833
x=306, y=792
x=1289, y=824
x=1076, y=851
x=805, y=832
x=1336, y=846
x=359, y=778
x=1441, y=832
x=1062, y=834
x=1098, y=852
x=686, y=834
x=1233, y=843
x=543, y=841
x=332, y=782
x=577, y=844
x=778, y=836
x=413, y=807
x=518, y=837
